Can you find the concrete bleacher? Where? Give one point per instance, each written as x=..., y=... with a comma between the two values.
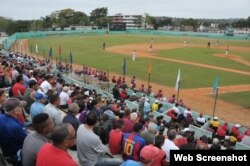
x=131, y=105
x=240, y=146
x=79, y=83
x=165, y=117
x=199, y=132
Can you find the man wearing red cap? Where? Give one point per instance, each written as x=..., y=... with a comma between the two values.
x=148, y=155
x=235, y=130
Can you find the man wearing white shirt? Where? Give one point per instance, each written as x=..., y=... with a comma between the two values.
x=169, y=144
x=188, y=111
x=176, y=109
x=133, y=55
x=45, y=85
x=64, y=97
x=201, y=120
x=53, y=111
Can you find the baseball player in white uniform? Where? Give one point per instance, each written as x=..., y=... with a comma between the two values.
x=133, y=55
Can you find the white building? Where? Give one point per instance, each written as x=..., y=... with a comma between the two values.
x=132, y=21
x=242, y=31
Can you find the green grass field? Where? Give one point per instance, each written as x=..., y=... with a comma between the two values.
x=238, y=98
x=88, y=51
x=204, y=56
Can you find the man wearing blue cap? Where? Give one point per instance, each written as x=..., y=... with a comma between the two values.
x=38, y=106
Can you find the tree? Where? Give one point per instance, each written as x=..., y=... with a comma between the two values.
x=223, y=26
x=18, y=26
x=80, y=18
x=206, y=24
x=148, y=20
x=4, y=23
x=46, y=22
x=65, y=18
x=242, y=23
x=164, y=21
x=99, y=16
x=190, y=22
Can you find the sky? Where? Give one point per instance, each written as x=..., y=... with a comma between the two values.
x=34, y=9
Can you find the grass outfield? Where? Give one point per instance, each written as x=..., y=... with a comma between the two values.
x=204, y=56
x=238, y=98
x=88, y=51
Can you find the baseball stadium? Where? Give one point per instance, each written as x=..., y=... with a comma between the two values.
x=154, y=84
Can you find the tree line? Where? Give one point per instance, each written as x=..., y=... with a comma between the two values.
x=99, y=17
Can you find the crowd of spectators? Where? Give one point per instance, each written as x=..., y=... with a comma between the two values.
x=43, y=119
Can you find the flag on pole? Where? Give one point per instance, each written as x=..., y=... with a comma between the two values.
x=36, y=48
x=124, y=67
x=149, y=68
x=216, y=84
x=50, y=52
x=178, y=80
x=70, y=57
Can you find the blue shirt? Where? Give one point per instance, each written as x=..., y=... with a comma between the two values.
x=36, y=108
x=71, y=119
x=25, y=81
x=12, y=135
x=132, y=144
x=131, y=163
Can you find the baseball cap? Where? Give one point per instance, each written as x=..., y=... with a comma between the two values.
x=11, y=103
x=133, y=116
x=39, y=96
x=237, y=125
x=86, y=93
x=148, y=153
x=215, y=118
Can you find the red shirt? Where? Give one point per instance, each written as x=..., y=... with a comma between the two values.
x=235, y=131
x=123, y=94
x=171, y=114
x=115, y=141
x=18, y=87
x=128, y=125
x=50, y=155
x=247, y=132
x=225, y=127
x=221, y=131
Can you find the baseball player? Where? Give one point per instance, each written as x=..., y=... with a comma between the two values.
x=151, y=45
x=133, y=55
x=104, y=46
x=227, y=51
